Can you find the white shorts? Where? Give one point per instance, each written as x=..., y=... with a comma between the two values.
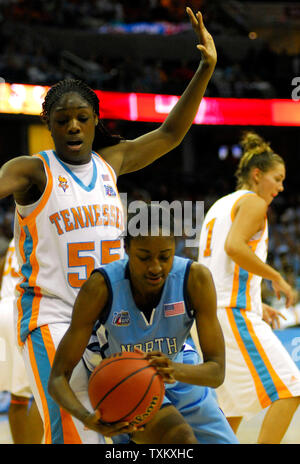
x=13, y=377
x=259, y=370
x=38, y=354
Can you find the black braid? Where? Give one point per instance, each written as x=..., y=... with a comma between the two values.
x=103, y=138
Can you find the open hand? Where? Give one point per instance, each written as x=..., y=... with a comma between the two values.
x=272, y=316
x=206, y=43
x=280, y=285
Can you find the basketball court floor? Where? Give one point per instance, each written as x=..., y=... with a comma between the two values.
x=247, y=433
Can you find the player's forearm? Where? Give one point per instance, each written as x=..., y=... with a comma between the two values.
x=183, y=114
x=209, y=374
x=60, y=390
x=244, y=257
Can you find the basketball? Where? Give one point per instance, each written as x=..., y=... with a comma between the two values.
x=125, y=387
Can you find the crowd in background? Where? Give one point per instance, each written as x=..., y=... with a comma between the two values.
x=262, y=73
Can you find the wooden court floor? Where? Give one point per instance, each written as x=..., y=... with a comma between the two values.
x=247, y=433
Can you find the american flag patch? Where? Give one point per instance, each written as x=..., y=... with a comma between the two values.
x=174, y=309
x=105, y=177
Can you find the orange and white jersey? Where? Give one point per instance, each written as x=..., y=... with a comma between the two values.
x=74, y=227
x=235, y=287
x=10, y=276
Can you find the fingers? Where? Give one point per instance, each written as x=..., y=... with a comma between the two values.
x=281, y=315
x=137, y=350
x=196, y=20
x=192, y=17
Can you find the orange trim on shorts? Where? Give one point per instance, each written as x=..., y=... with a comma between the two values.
x=70, y=433
x=260, y=390
x=47, y=425
x=282, y=390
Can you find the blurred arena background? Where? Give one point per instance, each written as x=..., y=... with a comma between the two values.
x=146, y=48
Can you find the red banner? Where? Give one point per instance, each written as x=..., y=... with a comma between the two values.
x=27, y=99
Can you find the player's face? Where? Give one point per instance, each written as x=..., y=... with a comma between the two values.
x=72, y=125
x=150, y=261
x=270, y=183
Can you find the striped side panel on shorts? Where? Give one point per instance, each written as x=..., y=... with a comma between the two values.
x=269, y=386
x=58, y=424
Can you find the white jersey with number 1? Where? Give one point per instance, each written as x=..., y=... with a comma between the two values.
x=259, y=370
x=236, y=288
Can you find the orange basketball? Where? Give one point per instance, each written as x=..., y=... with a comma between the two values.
x=125, y=387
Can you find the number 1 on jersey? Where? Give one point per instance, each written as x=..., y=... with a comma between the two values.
x=209, y=226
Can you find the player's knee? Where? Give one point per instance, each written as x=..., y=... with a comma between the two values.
x=180, y=434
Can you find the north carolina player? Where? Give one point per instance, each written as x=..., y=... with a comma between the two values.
x=24, y=419
x=149, y=302
x=69, y=217
x=233, y=245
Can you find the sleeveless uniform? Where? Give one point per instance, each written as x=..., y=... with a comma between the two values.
x=258, y=368
x=74, y=228
x=124, y=327
x=13, y=377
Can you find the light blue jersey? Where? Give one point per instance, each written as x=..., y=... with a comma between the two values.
x=124, y=327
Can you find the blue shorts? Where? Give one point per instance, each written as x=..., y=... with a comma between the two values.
x=198, y=406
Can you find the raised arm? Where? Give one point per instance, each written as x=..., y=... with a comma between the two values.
x=135, y=154
x=88, y=306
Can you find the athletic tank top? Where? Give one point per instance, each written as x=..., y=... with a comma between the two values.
x=236, y=287
x=73, y=229
x=125, y=326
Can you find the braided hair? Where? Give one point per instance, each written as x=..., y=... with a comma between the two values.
x=257, y=154
x=103, y=137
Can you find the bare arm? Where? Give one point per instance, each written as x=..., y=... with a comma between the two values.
x=248, y=220
x=134, y=155
x=202, y=295
x=20, y=176
x=88, y=306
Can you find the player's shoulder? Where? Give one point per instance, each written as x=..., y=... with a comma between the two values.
x=28, y=167
x=96, y=283
x=251, y=202
x=199, y=274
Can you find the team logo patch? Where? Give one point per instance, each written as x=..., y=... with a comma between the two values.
x=63, y=183
x=109, y=191
x=121, y=319
x=174, y=309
